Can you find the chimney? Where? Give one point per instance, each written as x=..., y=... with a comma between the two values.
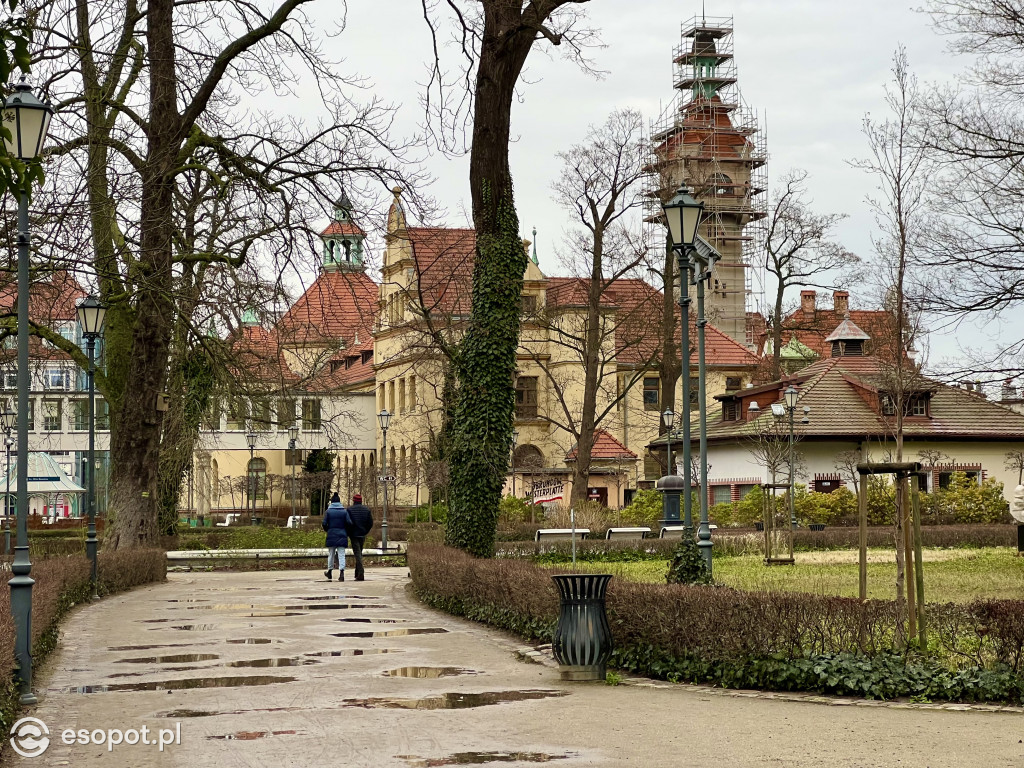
x=807, y=303
x=841, y=302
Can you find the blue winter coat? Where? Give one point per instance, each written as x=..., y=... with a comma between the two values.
x=336, y=522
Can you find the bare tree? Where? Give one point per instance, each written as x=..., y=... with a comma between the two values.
x=601, y=184
x=846, y=463
x=768, y=443
x=899, y=165
x=800, y=250
x=1015, y=460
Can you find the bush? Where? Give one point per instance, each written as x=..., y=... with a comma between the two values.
x=780, y=641
x=512, y=511
x=61, y=583
x=436, y=513
x=687, y=565
x=645, y=509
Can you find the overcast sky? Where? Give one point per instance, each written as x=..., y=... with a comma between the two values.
x=811, y=68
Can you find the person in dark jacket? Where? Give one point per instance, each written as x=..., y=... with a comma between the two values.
x=360, y=523
x=335, y=523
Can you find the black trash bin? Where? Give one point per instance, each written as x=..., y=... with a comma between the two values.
x=758, y=525
x=817, y=526
x=583, y=639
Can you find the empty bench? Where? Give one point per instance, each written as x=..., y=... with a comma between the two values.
x=627, y=533
x=560, y=534
x=676, y=531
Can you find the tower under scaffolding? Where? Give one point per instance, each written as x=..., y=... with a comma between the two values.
x=710, y=140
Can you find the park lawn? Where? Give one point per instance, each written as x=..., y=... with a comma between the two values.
x=949, y=575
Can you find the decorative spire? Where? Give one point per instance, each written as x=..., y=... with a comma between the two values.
x=534, y=255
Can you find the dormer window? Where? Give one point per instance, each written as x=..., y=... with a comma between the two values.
x=915, y=405
x=730, y=410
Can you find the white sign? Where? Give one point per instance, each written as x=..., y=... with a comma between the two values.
x=543, y=491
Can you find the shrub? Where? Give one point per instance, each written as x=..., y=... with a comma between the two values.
x=512, y=511
x=645, y=509
x=781, y=641
x=687, y=565
x=435, y=513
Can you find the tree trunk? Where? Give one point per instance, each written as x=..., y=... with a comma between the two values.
x=482, y=427
x=776, y=372
x=134, y=451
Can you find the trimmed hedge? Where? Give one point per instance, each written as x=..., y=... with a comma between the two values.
x=61, y=583
x=778, y=641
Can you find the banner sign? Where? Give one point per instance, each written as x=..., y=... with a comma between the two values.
x=543, y=491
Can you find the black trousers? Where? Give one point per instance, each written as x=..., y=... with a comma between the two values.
x=357, y=551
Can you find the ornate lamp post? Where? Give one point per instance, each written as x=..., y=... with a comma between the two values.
x=515, y=441
x=384, y=417
x=27, y=120
x=91, y=313
x=8, y=419
x=250, y=439
x=293, y=438
x=669, y=418
x=790, y=396
x=683, y=215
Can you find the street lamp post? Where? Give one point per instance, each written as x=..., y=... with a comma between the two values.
x=91, y=313
x=515, y=440
x=683, y=215
x=293, y=438
x=384, y=417
x=8, y=420
x=27, y=120
x=791, y=395
x=669, y=418
x=250, y=438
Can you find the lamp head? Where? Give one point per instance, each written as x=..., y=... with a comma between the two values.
x=250, y=439
x=8, y=418
x=293, y=432
x=668, y=417
x=385, y=419
x=91, y=313
x=683, y=214
x=791, y=395
x=27, y=119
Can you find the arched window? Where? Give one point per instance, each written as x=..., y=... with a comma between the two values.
x=722, y=184
x=528, y=457
x=401, y=465
x=257, y=479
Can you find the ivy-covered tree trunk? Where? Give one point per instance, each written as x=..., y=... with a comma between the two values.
x=481, y=435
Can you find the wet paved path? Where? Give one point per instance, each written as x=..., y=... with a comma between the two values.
x=287, y=669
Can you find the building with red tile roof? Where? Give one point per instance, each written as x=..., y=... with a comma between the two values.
x=848, y=405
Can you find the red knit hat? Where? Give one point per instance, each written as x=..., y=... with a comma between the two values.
x=357, y=498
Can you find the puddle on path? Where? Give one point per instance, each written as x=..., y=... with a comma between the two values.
x=443, y=701
x=393, y=632
x=361, y=620
x=177, y=658
x=151, y=647
x=252, y=641
x=454, y=700
x=189, y=600
x=179, y=685
x=157, y=621
x=196, y=627
x=253, y=735
x=276, y=610
x=293, y=661
x=336, y=597
x=338, y=607
x=162, y=669
x=479, y=758
x=353, y=652
x=429, y=673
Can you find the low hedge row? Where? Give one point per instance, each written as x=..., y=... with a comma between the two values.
x=61, y=583
x=778, y=641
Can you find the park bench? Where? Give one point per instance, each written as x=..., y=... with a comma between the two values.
x=189, y=558
x=296, y=521
x=560, y=534
x=627, y=533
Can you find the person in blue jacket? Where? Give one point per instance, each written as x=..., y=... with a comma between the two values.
x=336, y=522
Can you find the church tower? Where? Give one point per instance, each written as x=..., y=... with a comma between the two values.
x=343, y=239
x=709, y=140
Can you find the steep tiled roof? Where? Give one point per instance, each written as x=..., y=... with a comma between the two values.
x=342, y=228
x=444, y=265
x=605, y=447
x=339, y=305
x=843, y=392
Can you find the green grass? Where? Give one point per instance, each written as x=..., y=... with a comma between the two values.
x=949, y=575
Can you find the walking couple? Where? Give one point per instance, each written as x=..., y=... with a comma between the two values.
x=345, y=526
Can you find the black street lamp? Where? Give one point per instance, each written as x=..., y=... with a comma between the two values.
x=683, y=215
x=91, y=313
x=790, y=396
x=384, y=417
x=26, y=119
x=669, y=418
x=293, y=437
x=250, y=439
